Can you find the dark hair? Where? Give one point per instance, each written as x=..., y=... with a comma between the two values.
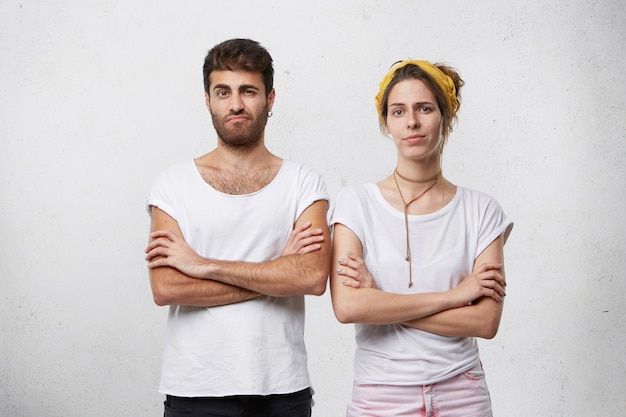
x=239, y=55
x=414, y=72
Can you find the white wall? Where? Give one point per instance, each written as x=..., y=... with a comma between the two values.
x=99, y=96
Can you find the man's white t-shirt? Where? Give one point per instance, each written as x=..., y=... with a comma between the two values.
x=254, y=347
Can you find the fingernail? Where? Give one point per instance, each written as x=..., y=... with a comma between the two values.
x=339, y=271
x=340, y=260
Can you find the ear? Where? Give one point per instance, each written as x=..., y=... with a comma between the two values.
x=207, y=101
x=270, y=99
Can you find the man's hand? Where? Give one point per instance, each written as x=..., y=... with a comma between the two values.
x=303, y=240
x=168, y=249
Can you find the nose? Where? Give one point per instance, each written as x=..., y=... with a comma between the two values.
x=413, y=121
x=236, y=104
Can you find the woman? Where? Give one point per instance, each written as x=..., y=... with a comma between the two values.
x=418, y=262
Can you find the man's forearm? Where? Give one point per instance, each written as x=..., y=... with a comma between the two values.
x=295, y=274
x=282, y=277
x=169, y=286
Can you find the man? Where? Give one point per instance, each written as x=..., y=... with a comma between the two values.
x=239, y=236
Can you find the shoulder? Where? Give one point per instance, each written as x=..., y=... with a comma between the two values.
x=487, y=211
x=169, y=186
x=360, y=190
x=177, y=178
x=302, y=174
x=356, y=195
x=302, y=180
x=294, y=167
x=353, y=206
x=178, y=169
x=476, y=198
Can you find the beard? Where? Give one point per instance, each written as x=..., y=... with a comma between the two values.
x=241, y=135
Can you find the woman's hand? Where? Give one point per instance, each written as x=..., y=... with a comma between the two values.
x=355, y=273
x=486, y=281
x=303, y=240
x=169, y=249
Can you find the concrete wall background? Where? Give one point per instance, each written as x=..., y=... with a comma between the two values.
x=100, y=96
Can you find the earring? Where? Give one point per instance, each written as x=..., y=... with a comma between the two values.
x=270, y=113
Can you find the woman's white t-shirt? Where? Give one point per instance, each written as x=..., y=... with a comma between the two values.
x=444, y=246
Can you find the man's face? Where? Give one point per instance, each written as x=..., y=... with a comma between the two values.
x=238, y=107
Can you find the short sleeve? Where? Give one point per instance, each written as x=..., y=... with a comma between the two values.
x=165, y=192
x=347, y=211
x=493, y=223
x=311, y=188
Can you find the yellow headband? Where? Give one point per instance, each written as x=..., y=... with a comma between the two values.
x=443, y=81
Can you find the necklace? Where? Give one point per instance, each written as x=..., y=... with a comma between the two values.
x=434, y=177
x=406, y=212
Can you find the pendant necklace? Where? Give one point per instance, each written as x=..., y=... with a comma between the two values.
x=406, y=211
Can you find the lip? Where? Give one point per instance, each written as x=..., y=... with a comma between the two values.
x=414, y=138
x=237, y=118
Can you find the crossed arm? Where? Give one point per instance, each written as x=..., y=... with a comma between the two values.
x=178, y=275
x=356, y=299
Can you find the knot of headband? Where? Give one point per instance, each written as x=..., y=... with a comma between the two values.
x=443, y=81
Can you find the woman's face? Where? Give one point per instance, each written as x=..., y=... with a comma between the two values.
x=414, y=120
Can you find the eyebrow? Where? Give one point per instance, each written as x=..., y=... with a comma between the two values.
x=241, y=87
x=419, y=103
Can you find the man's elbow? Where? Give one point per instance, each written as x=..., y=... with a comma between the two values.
x=318, y=284
x=318, y=278
x=160, y=294
x=160, y=297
